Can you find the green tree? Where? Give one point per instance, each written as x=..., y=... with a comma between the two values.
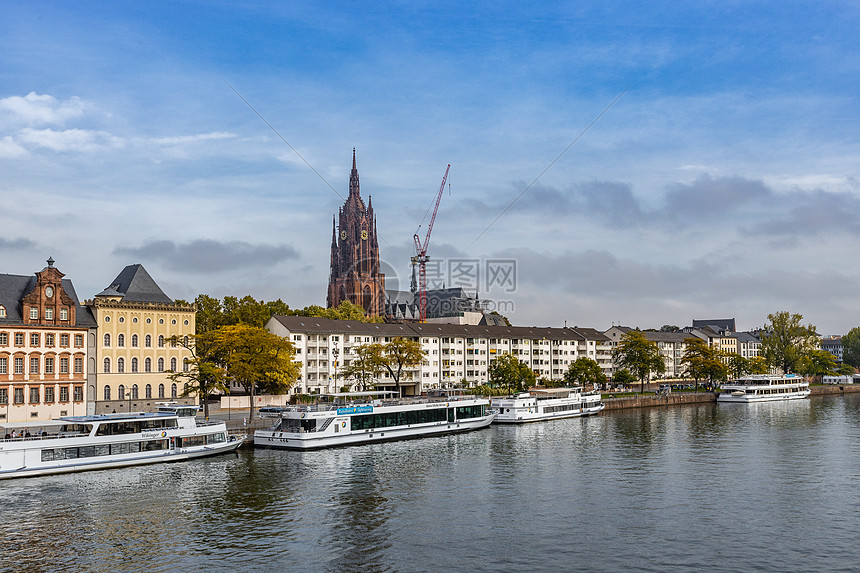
x=817, y=363
x=584, y=371
x=209, y=315
x=256, y=359
x=203, y=376
x=365, y=367
x=639, y=355
x=738, y=365
x=506, y=371
x=845, y=369
x=758, y=365
x=623, y=377
x=246, y=310
x=785, y=340
x=399, y=354
x=851, y=347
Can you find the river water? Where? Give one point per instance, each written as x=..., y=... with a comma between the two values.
x=730, y=487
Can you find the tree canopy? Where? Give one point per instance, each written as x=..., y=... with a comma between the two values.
x=397, y=355
x=785, y=340
x=584, y=371
x=203, y=376
x=851, y=347
x=365, y=367
x=704, y=362
x=506, y=371
x=639, y=355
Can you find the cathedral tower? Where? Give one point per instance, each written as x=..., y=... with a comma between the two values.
x=354, y=274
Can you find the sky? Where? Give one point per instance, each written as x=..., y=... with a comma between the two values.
x=641, y=163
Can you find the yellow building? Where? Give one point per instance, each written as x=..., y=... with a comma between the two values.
x=132, y=355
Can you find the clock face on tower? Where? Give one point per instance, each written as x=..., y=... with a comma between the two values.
x=363, y=235
x=343, y=235
x=49, y=291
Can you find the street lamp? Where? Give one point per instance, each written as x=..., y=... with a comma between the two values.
x=336, y=352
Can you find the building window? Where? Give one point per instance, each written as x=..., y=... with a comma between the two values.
x=107, y=366
x=147, y=341
x=148, y=391
x=19, y=395
x=161, y=341
x=107, y=392
x=147, y=365
x=49, y=314
x=64, y=365
x=64, y=393
x=148, y=321
x=173, y=364
x=49, y=339
x=79, y=340
x=120, y=340
x=173, y=390
x=4, y=396
x=185, y=341
x=2, y=311
x=19, y=339
x=64, y=340
x=4, y=366
x=134, y=364
x=49, y=395
x=120, y=365
x=79, y=393
x=4, y=339
x=64, y=314
x=134, y=392
x=120, y=392
x=34, y=365
x=134, y=320
x=161, y=390
x=49, y=365
x=34, y=395
x=186, y=366
x=134, y=341
x=107, y=340
x=34, y=313
x=34, y=339
x=161, y=364
x=79, y=365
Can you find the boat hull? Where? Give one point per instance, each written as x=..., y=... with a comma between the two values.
x=308, y=441
x=526, y=417
x=750, y=398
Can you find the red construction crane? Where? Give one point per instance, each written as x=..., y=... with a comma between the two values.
x=421, y=253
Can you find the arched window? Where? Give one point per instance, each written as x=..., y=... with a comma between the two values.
x=134, y=392
x=173, y=390
x=107, y=392
x=134, y=341
x=173, y=364
x=107, y=339
x=121, y=392
x=161, y=364
x=161, y=390
x=107, y=367
x=148, y=391
x=147, y=365
x=134, y=364
x=147, y=341
x=120, y=340
x=366, y=299
x=185, y=340
x=186, y=365
x=120, y=365
x=2, y=311
x=161, y=341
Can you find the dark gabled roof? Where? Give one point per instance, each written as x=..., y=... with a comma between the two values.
x=13, y=288
x=717, y=324
x=657, y=336
x=591, y=334
x=135, y=285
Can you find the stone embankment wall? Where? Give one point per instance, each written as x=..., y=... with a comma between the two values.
x=650, y=400
x=834, y=389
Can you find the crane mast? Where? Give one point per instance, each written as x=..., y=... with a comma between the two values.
x=421, y=258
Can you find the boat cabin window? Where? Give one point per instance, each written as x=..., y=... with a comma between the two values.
x=75, y=429
x=295, y=425
x=134, y=426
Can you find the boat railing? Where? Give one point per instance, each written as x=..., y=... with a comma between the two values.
x=328, y=407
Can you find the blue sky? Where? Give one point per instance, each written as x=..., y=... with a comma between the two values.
x=723, y=183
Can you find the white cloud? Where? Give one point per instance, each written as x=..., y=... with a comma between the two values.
x=9, y=148
x=39, y=110
x=82, y=140
x=183, y=139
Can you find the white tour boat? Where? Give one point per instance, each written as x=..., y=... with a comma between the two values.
x=80, y=443
x=546, y=404
x=360, y=418
x=763, y=388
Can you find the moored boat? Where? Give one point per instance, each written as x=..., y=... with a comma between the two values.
x=546, y=404
x=80, y=443
x=764, y=388
x=351, y=418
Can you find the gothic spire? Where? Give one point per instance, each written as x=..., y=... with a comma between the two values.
x=353, y=178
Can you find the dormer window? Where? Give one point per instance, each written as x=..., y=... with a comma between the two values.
x=64, y=314
x=34, y=313
x=2, y=311
x=49, y=314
